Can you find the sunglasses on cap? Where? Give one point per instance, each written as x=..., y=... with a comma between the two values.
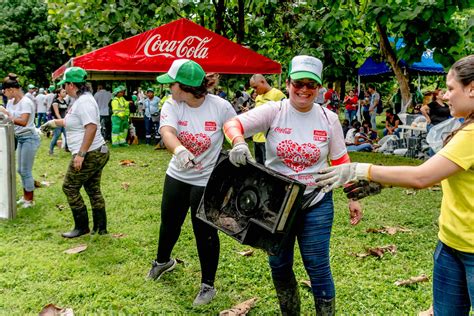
x=300, y=84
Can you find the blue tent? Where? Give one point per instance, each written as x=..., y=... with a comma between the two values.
x=426, y=66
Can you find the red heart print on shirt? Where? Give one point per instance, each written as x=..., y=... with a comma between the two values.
x=298, y=157
x=195, y=143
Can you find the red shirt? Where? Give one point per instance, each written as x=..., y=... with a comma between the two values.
x=327, y=97
x=351, y=103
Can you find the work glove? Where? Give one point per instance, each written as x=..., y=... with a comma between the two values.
x=184, y=158
x=335, y=177
x=361, y=189
x=48, y=126
x=239, y=154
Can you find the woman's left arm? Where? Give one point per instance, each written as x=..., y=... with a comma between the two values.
x=89, y=134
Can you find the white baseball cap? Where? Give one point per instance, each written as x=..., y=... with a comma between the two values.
x=304, y=66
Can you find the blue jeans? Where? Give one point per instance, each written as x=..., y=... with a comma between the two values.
x=25, y=152
x=396, y=132
x=453, y=281
x=373, y=122
x=350, y=115
x=151, y=128
x=57, y=132
x=41, y=119
x=312, y=227
x=360, y=147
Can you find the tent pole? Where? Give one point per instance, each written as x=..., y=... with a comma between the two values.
x=358, y=100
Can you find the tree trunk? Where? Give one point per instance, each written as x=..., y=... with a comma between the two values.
x=241, y=26
x=219, y=16
x=389, y=55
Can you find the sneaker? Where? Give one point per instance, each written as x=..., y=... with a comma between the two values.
x=205, y=295
x=28, y=204
x=20, y=201
x=158, y=269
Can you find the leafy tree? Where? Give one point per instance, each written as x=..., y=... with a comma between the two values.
x=28, y=41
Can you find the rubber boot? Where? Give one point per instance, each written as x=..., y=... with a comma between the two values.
x=325, y=307
x=288, y=296
x=99, y=217
x=81, y=223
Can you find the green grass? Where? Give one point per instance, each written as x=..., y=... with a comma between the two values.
x=109, y=277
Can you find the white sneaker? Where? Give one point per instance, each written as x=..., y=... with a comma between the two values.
x=20, y=201
x=28, y=204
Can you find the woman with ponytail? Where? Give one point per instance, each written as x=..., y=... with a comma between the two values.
x=21, y=111
x=453, y=165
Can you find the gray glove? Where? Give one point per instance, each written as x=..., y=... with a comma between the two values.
x=361, y=189
x=239, y=154
x=184, y=158
x=48, y=126
x=335, y=177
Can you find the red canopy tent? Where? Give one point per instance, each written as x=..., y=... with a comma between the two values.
x=144, y=55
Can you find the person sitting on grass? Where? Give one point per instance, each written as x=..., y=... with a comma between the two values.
x=371, y=133
x=453, y=165
x=391, y=124
x=356, y=140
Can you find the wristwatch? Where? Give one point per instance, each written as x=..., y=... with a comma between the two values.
x=82, y=154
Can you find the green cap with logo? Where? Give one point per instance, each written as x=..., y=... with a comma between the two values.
x=184, y=71
x=74, y=74
x=306, y=67
x=118, y=89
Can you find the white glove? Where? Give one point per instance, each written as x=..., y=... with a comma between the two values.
x=239, y=154
x=184, y=158
x=49, y=125
x=335, y=177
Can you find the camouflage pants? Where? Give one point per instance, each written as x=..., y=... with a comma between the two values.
x=89, y=177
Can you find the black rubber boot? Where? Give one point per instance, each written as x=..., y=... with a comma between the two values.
x=325, y=307
x=99, y=217
x=288, y=296
x=81, y=224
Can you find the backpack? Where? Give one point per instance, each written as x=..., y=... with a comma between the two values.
x=334, y=101
x=380, y=106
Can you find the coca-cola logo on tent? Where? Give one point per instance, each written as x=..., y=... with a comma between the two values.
x=190, y=47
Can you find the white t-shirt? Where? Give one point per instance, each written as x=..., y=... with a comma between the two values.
x=103, y=98
x=200, y=131
x=49, y=101
x=25, y=105
x=320, y=97
x=41, y=103
x=298, y=143
x=84, y=111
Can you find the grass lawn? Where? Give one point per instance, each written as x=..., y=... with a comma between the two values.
x=109, y=277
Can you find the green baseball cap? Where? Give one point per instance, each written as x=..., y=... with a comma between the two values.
x=150, y=90
x=51, y=88
x=118, y=89
x=306, y=67
x=74, y=74
x=184, y=71
x=31, y=86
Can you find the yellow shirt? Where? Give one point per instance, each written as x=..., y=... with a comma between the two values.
x=120, y=107
x=272, y=95
x=456, y=221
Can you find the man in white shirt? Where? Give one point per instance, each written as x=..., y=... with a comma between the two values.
x=41, y=107
x=103, y=97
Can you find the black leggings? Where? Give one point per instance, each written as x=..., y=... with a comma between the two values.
x=177, y=198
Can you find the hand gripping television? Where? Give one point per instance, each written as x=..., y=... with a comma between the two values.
x=252, y=204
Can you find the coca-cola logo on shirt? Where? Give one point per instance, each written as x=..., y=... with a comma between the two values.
x=190, y=47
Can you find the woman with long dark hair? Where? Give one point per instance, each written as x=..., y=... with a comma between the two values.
x=58, y=109
x=89, y=154
x=191, y=128
x=21, y=111
x=453, y=165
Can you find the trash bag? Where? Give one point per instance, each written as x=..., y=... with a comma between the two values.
x=439, y=132
x=388, y=144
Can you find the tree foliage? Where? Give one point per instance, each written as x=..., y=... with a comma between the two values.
x=28, y=41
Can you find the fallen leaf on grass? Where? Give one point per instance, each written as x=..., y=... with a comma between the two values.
x=76, y=249
x=413, y=280
x=435, y=188
x=388, y=230
x=377, y=251
x=178, y=260
x=428, y=312
x=125, y=185
x=118, y=235
x=239, y=309
x=246, y=253
x=307, y=283
x=61, y=207
x=127, y=163
x=53, y=310
x=410, y=192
